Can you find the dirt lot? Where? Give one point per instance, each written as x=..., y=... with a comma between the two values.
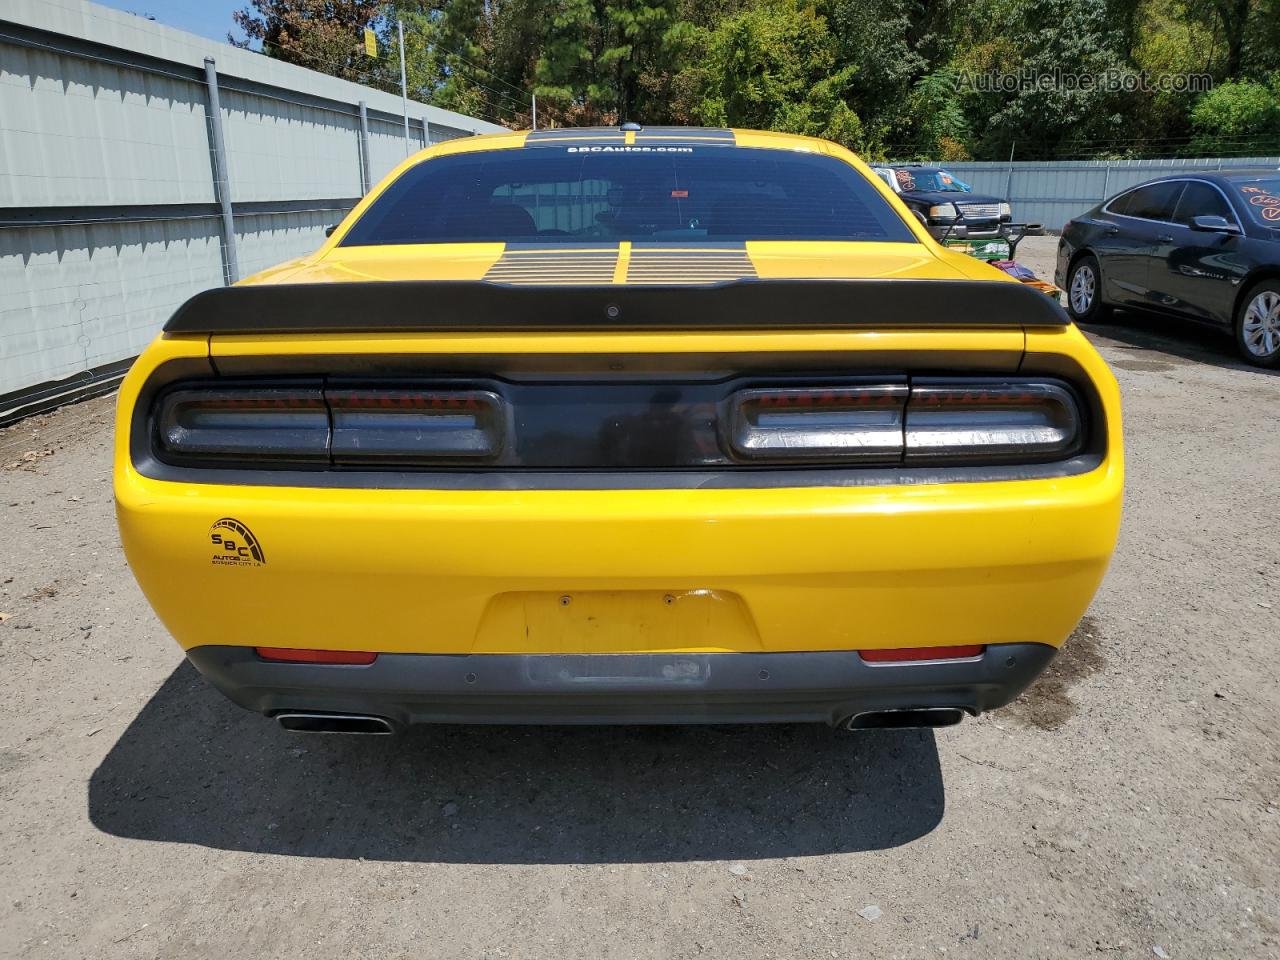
x=1129, y=806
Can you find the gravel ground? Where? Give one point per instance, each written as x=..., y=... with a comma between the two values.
x=1127, y=806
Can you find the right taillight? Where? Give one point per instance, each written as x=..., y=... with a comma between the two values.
x=991, y=421
x=954, y=420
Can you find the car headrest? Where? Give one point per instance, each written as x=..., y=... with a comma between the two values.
x=749, y=215
x=492, y=220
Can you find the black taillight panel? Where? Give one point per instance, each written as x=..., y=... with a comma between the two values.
x=726, y=423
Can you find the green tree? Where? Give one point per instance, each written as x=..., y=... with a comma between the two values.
x=878, y=38
x=1058, y=39
x=1238, y=117
x=882, y=75
x=937, y=124
x=323, y=35
x=568, y=70
x=602, y=62
x=1170, y=42
x=468, y=55
x=641, y=34
x=774, y=66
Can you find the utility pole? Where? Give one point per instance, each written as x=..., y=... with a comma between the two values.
x=535, y=111
x=404, y=89
x=221, y=175
x=1008, y=187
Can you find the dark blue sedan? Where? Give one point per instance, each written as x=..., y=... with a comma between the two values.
x=1204, y=246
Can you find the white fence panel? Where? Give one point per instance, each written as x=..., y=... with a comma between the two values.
x=277, y=148
x=74, y=131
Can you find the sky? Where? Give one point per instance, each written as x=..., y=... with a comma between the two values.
x=206, y=18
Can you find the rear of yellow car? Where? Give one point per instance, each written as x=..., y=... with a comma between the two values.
x=596, y=426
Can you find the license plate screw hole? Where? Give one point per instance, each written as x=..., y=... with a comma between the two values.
x=471, y=678
x=764, y=674
x=566, y=600
x=668, y=599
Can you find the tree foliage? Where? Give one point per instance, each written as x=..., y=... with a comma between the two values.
x=324, y=35
x=1075, y=38
x=774, y=66
x=886, y=77
x=1238, y=111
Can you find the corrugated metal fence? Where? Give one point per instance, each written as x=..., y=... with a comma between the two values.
x=1052, y=192
x=114, y=207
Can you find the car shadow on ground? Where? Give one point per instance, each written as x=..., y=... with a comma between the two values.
x=1182, y=340
x=192, y=768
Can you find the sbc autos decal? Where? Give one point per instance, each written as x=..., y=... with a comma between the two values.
x=235, y=545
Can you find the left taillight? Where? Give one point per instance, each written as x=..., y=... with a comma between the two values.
x=320, y=426
x=265, y=425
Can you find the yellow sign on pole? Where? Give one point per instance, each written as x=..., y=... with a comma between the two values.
x=370, y=42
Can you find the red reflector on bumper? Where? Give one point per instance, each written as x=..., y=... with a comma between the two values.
x=909, y=654
x=286, y=655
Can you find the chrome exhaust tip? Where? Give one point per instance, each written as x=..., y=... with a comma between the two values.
x=903, y=719
x=352, y=723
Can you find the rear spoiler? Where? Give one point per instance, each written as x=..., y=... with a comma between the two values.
x=752, y=304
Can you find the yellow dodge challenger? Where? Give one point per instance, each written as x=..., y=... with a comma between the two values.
x=637, y=425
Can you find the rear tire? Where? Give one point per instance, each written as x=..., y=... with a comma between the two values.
x=1258, y=325
x=1084, y=291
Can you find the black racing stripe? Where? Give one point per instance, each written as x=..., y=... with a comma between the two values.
x=649, y=136
x=576, y=135
x=686, y=135
x=567, y=265
x=674, y=265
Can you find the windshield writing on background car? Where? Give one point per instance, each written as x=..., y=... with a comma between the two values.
x=1263, y=199
x=931, y=181
x=558, y=195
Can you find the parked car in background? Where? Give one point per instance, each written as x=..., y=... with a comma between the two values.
x=946, y=205
x=1203, y=246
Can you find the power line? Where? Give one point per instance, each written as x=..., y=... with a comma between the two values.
x=523, y=104
x=382, y=81
x=505, y=83
x=523, y=100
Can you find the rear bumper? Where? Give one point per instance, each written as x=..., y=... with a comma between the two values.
x=819, y=686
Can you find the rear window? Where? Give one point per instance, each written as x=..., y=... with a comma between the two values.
x=1263, y=198
x=566, y=195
